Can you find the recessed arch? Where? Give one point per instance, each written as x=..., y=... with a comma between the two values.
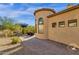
x=40, y=25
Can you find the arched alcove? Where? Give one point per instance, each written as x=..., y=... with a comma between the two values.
x=40, y=25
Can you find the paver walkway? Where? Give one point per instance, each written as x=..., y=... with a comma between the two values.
x=34, y=46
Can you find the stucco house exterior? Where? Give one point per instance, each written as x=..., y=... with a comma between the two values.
x=60, y=26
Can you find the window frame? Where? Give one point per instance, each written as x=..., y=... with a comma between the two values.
x=72, y=21
x=59, y=24
x=54, y=24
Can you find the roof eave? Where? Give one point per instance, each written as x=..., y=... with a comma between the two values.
x=64, y=11
x=44, y=9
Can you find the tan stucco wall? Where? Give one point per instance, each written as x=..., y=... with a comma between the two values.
x=44, y=15
x=67, y=35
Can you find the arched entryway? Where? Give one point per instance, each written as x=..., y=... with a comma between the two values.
x=40, y=25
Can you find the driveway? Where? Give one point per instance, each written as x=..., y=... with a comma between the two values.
x=34, y=46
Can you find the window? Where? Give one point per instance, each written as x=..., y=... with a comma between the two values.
x=62, y=24
x=40, y=25
x=53, y=24
x=72, y=23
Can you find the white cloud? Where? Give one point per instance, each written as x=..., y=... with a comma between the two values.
x=11, y=4
x=13, y=13
x=6, y=11
x=16, y=13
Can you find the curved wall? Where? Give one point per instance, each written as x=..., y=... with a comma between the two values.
x=42, y=13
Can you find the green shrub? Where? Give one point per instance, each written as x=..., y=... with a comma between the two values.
x=24, y=30
x=7, y=33
x=28, y=29
x=16, y=40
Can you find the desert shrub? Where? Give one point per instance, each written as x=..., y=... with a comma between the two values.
x=17, y=28
x=16, y=40
x=24, y=30
x=8, y=23
x=30, y=30
x=7, y=33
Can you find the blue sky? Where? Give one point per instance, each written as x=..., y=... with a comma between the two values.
x=24, y=12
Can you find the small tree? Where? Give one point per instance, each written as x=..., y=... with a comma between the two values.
x=17, y=28
x=6, y=23
x=7, y=26
x=28, y=29
x=24, y=30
